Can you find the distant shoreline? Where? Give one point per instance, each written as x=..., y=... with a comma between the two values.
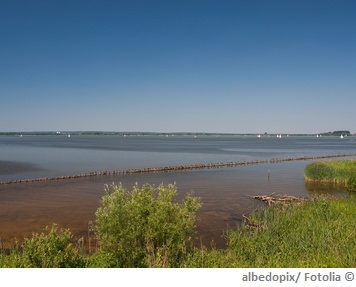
x=107, y=133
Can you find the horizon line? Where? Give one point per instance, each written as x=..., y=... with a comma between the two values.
x=56, y=132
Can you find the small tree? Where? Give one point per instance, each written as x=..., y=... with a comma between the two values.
x=144, y=227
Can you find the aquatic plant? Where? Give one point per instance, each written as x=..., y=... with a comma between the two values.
x=339, y=172
x=316, y=233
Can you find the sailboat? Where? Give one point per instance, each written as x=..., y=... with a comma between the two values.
x=341, y=136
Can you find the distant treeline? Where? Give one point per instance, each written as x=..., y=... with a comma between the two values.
x=336, y=133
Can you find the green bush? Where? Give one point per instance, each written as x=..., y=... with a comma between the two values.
x=144, y=227
x=51, y=250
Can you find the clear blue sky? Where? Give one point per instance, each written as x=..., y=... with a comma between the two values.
x=234, y=66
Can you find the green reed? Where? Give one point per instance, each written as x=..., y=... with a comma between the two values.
x=316, y=233
x=340, y=172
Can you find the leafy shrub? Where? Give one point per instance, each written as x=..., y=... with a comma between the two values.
x=144, y=227
x=52, y=250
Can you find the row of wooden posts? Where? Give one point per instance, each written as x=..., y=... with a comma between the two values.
x=177, y=168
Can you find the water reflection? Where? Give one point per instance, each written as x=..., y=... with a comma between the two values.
x=320, y=189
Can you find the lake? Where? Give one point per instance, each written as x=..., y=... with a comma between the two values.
x=225, y=192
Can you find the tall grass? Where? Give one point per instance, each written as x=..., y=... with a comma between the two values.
x=318, y=233
x=339, y=172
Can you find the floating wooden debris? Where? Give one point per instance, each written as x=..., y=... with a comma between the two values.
x=279, y=199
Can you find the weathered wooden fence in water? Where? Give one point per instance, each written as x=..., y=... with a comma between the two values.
x=178, y=168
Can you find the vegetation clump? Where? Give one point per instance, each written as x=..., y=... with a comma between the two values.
x=145, y=227
x=50, y=249
x=313, y=234
x=339, y=172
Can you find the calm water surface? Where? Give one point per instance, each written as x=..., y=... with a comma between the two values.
x=225, y=192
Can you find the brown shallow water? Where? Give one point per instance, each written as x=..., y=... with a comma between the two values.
x=225, y=194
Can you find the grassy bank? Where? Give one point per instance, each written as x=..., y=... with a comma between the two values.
x=156, y=231
x=339, y=172
x=317, y=233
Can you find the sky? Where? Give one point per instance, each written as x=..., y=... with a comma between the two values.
x=224, y=66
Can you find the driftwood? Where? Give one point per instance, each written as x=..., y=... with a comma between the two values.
x=278, y=199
